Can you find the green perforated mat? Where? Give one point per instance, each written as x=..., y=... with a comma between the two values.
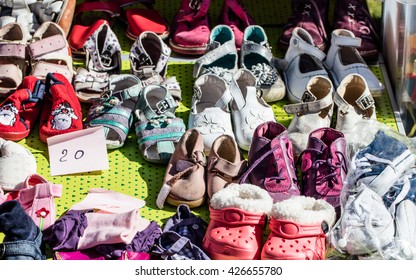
x=129, y=173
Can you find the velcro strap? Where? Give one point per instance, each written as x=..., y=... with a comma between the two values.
x=224, y=100
x=309, y=49
x=342, y=105
x=309, y=107
x=13, y=50
x=347, y=41
x=47, y=45
x=213, y=55
x=251, y=47
x=227, y=168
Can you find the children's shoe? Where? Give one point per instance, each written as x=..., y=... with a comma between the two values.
x=191, y=28
x=248, y=109
x=184, y=181
x=237, y=220
x=225, y=164
x=158, y=130
x=62, y=111
x=210, y=112
x=256, y=56
x=343, y=59
x=20, y=110
x=379, y=164
x=311, y=15
x=324, y=166
x=313, y=112
x=16, y=163
x=270, y=162
x=235, y=15
x=304, y=62
x=221, y=56
x=298, y=228
x=355, y=103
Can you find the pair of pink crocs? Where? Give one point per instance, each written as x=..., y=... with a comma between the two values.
x=238, y=216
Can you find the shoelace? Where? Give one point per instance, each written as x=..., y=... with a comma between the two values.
x=366, y=164
x=361, y=20
x=332, y=169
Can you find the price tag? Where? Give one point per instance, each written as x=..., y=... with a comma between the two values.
x=79, y=151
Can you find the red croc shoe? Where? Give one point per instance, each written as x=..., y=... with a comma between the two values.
x=62, y=111
x=18, y=113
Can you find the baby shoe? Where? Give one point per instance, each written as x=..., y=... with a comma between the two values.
x=304, y=62
x=312, y=15
x=23, y=239
x=210, y=113
x=405, y=236
x=37, y=199
x=354, y=102
x=20, y=110
x=237, y=220
x=16, y=163
x=324, y=166
x=62, y=111
x=248, y=109
x=221, y=55
x=365, y=226
x=235, y=15
x=298, y=228
x=270, y=162
x=225, y=164
x=191, y=29
x=256, y=55
x=184, y=181
x=157, y=128
x=344, y=59
x=313, y=112
x=380, y=164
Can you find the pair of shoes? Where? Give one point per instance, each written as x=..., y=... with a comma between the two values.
x=353, y=100
x=16, y=164
x=352, y=15
x=102, y=51
x=190, y=175
x=305, y=61
x=222, y=59
x=114, y=110
x=54, y=100
x=47, y=52
x=238, y=216
x=235, y=109
x=191, y=25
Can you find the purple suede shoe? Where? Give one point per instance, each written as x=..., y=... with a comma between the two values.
x=270, y=162
x=311, y=15
x=354, y=16
x=324, y=166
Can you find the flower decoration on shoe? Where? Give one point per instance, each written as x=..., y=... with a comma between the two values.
x=256, y=56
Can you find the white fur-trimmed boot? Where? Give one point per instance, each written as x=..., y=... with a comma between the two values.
x=237, y=220
x=298, y=229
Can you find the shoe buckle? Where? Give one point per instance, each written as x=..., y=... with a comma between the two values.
x=162, y=106
x=106, y=57
x=144, y=60
x=195, y=4
x=365, y=102
x=308, y=97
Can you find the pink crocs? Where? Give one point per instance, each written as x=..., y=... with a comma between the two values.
x=237, y=219
x=298, y=229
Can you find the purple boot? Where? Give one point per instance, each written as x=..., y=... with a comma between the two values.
x=311, y=15
x=324, y=166
x=270, y=162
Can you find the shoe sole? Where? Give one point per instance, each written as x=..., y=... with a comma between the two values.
x=191, y=204
x=192, y=50
x=242, y=254
x=14, y=136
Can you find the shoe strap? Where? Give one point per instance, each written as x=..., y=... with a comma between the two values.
x=11, y=71
x=345, y=41
x=126, y=90
x=222, y=102
x=309, y=104
x=196, y=12
x=364, y=102
x=43, y=68
x=239, y=10
x=215, y=52
x=90, y=80
x=47, y=45
x=165, y=106
x=17, y=51
x=250, y=47
x=292, y=230
x=226, y=168
x=234, y=216
x=306, y=48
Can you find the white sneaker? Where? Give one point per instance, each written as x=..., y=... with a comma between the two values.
x=315, y=111
x=248, y=109
x=343, y=59
x=354, y=102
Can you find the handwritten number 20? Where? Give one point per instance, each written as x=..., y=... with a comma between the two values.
x=78, y=154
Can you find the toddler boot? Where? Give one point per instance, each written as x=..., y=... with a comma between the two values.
x=237, y=220
x=298, y=229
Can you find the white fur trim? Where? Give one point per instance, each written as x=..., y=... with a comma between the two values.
x=304, y=210
x=246, y=197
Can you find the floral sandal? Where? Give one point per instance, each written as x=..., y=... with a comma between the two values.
x=114, y=113
x=157, y=129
